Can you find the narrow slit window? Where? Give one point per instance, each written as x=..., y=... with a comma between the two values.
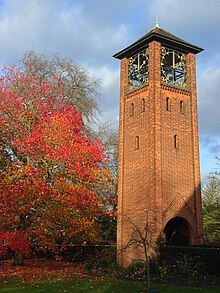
x=132, y=109
x=142, y=105
x=167, y=104
x=181, y=107
x=137, y=142
x=175, y=141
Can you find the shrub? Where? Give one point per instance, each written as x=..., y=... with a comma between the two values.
x=189, y=265
x=136, y=271
x=103, y=262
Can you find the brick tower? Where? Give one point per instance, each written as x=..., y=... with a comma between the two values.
x=158, y=146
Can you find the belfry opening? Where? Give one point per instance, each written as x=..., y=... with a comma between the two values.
x=177, y=232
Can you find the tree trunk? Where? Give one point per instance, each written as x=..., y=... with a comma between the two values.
x=18, y=259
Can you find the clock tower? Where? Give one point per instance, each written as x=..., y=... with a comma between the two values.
x=159, y=176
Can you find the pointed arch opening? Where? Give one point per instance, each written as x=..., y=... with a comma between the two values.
x=178, y=232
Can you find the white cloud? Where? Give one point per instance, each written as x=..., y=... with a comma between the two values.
x=109, y=77
x=48, y=25
x=193, y=15
x=25, y=25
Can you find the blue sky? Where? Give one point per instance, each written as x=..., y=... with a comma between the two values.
x=91, y=31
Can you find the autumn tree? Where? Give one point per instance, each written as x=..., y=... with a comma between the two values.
x=52, y=168
x=108, y=133
x=211, y=208
x=79, y=88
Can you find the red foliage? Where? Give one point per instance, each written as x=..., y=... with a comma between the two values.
x=17, y=241
x=49, y=191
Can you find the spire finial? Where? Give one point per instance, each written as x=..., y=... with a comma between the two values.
x=157, y=24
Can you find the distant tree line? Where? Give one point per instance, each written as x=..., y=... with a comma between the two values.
x=211, y=207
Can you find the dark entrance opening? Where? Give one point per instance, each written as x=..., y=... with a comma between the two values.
x=177, y=232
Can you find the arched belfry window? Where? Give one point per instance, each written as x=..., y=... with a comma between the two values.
x=132, y=109
x=175, y=141
x=137, y=142
x=142, y=105
x=181, y=107
x=138, y=71
x=173, y=67
x=167, y=104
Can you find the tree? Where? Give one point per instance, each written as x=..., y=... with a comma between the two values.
x=108, y=133
x=211, y=208
x=51, y=167
x=79, y=88
x=141, y=238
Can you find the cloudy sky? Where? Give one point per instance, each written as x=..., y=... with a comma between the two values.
x=91, y=31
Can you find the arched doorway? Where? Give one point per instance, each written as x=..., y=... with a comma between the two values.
x=177, y=232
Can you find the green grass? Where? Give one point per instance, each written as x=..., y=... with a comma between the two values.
x=93, y=286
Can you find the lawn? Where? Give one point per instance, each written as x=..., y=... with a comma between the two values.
x=39, y=276
x=93, y=286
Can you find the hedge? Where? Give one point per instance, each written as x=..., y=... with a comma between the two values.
x=206, y=258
